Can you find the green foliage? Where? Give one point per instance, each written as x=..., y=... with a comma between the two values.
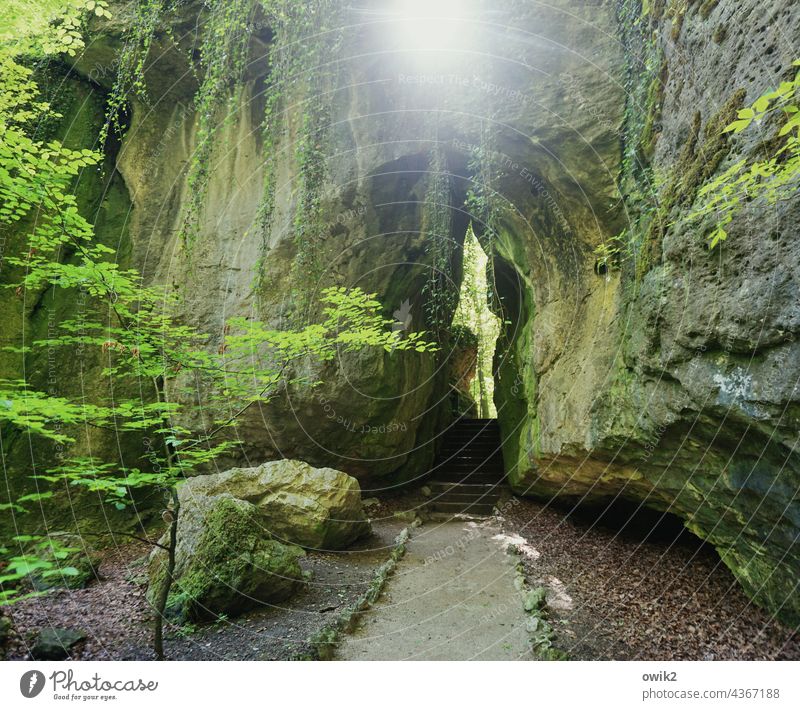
x=39, y=557
x=482, y=206
x=131, y=63
x=303, y=67
x=610, y=253
x=227, y=30
x=46, y=27
x=772, y=179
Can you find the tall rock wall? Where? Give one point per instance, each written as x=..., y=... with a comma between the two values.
x=670, y=380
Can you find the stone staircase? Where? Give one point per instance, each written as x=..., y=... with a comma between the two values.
x=468, y=475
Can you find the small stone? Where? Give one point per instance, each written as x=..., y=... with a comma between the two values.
x=532, y=624
x=54, y=644
x=407, y=516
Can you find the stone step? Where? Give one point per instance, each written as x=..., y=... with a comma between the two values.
x=471, y=456
x=439, y=486
x=473, y=478
x=465, y=498
x=473, y=509
x=470, y=467
x=473, y=461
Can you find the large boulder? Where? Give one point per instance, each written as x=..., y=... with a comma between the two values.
x=296, y=503
x=225, y=561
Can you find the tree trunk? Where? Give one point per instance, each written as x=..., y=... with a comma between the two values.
x=163, y=593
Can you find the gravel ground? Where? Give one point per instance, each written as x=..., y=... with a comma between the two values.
x=647, y=590
x=116, y=618
x=641, y=591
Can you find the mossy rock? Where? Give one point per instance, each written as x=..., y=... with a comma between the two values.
x=296, y=503
x=226, y=563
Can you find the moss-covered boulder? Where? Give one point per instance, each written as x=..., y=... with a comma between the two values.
x=313, y=507
x=225, y=561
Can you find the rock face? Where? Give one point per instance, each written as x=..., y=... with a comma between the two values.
x=225, y=562
x=240, y=532
x=293, y=501
x=670, y=380
x=673, y=379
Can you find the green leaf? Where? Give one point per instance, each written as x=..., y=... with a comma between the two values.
x=761, y=105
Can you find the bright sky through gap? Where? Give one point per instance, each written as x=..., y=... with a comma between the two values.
x=425, y=25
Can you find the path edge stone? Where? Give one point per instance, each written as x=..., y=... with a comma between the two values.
x=325, y=641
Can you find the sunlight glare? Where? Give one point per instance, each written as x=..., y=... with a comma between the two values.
x=425, y=25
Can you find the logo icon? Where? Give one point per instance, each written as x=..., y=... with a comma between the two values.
x=31, y=683
x=402, y=319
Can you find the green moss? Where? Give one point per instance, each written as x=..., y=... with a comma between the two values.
x=655, y=102
x=323, y=643
x=702, y=154
x=541, y=634
x=707, y=8
x=769, y=588
x=677, y=13
x=231, y=567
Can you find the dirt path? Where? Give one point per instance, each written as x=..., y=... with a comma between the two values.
x=451, y=598
x=116, y=619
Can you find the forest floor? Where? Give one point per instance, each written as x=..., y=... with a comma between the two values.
x=643, y=590
x=116, y=618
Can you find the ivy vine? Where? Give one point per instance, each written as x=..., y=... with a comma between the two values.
x=440, y=295
x=129, y=80
x=223, y=57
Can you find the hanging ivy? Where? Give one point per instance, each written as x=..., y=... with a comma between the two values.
x=129, y=80
x=304, y=67
x=223, y=58
x=440, y=295
x=482, y=205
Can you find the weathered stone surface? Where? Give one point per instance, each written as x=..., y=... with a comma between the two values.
x=225, y=561
x=678, y=387
x=294, y=502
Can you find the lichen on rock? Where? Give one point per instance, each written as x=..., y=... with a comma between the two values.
x=225, y=562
